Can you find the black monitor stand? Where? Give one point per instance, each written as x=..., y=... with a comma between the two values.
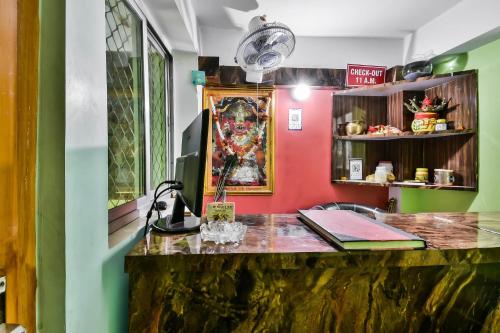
x=177, y=222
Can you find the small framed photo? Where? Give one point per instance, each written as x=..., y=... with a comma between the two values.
x=356, y=169
x=295, y=119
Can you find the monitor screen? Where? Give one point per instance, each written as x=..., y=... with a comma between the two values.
x=190, y=172
x=190, y=167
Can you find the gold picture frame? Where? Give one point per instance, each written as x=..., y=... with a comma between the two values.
x=247, y=111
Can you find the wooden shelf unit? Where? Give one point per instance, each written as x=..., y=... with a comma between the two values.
x=383, y=105
x=405, y=136
x=390, y=88
x=408, y=185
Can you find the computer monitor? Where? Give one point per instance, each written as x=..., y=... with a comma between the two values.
x=190, y=172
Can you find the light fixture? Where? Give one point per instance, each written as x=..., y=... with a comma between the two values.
x=301, y=92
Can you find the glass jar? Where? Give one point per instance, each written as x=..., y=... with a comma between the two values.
x=381, y=174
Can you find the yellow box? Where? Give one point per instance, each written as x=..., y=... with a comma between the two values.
x=221, y=211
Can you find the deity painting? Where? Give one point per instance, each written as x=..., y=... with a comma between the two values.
x=241, y=128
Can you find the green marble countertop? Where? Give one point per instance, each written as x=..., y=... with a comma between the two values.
x=284, y=242
x=284, y=278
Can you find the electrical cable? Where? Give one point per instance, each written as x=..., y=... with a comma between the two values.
x=173, y=182
x=175, y=186
x=153, y=206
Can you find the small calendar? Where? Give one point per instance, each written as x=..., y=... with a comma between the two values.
x=356, y=169
x=295, y=119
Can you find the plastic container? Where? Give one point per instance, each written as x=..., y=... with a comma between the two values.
x=381, y=174
x=441, y=125
x=387, y=164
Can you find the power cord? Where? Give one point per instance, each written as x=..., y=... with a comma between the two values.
x=175, y=185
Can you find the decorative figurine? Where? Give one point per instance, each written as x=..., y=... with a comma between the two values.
x=383, y=130
x=426, y=115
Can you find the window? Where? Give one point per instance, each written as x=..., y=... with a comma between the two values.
x=159, y=117
x=138, y=120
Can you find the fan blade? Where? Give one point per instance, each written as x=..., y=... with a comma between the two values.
x=250, y=54
x=274, y=38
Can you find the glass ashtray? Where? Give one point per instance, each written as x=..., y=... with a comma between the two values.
x=222, y=232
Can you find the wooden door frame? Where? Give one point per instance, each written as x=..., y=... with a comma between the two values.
x=19, y=38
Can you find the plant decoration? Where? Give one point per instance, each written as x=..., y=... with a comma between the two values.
x=427, y=105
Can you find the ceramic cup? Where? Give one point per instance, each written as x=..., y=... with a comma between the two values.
x=443, y=177
x=422, y=174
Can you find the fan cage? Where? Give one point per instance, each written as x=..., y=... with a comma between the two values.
x=285, y=49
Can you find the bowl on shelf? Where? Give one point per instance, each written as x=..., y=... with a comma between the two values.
x=417, y=69
x=355, y=127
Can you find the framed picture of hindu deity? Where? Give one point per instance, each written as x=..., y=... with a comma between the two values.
x=241, y=126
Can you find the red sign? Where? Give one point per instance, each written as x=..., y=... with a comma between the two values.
x=364, y=75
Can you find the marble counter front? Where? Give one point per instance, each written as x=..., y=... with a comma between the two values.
x=284, y=277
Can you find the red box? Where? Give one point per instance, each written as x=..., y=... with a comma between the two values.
x=364, y=75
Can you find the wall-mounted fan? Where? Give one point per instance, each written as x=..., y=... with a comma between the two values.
x=264, y=48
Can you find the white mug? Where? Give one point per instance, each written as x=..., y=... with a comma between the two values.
x=443, y=177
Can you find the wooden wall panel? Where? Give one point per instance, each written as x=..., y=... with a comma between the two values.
x=18, y=105
x=408, y=116
x=348, y=108
x=463, y=105
x=371, y=153
x=458, y=154
x=406, y=156
x=210, y=65
x=397, y=114
x=345, y=109
x=234, y=75
x=394, y=115
x=394, y=74
x=375, y=152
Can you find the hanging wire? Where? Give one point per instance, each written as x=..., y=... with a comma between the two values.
x=257, y=104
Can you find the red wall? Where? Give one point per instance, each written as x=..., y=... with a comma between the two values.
x=302, y=162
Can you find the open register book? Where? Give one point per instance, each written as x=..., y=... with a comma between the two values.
x=353, y=231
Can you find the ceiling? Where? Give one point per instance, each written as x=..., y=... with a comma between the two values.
x=326, y=18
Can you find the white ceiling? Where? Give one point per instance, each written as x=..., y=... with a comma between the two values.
x=326, y=18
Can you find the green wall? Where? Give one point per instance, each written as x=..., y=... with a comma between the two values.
x=50, y=226
x=115, y=283
x=486, y=60
x=81, y=284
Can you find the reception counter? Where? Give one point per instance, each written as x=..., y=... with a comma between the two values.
x=283, y=277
